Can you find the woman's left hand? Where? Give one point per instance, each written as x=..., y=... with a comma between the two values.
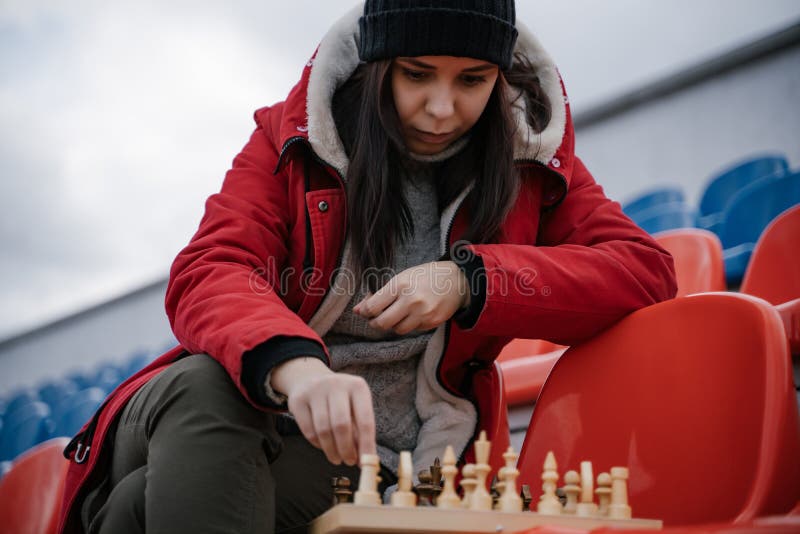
x=419, y=298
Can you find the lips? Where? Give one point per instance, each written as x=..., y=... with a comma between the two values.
x=433, y=138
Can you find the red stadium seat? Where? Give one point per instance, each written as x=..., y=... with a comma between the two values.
x=523, y=377
x=698, y=259
x=694, y=395
x=774, y=271
x=521, y=348
x=30, y=493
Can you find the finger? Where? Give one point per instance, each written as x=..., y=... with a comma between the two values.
x=408, y=324
x=302, y=415
x=342, y=426
x=322, y=428
x=364, y=417
x=391, y=316
x=375, y=304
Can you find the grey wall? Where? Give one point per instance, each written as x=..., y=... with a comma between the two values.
x=108, y=333
x=685, y=137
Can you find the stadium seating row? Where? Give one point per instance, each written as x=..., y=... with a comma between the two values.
x=58, y=408
x=736, y=205
x=773, y=275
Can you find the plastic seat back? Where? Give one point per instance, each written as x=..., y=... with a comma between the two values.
x=666, y=217
x=653, y=197
x=774, y=272
x=23, y=428
x=76, y=410
x=755, y=206
x=694, y=395
x=54, y=393
x=726, y=184
x=31, y=491
x=698, y=259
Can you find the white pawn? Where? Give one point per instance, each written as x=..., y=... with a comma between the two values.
x=468, y=482
x=368, y=481
x=481, y=498
x=449, y=498
x=509, y=500
x=619, y=508
x=549, y=503
x=572, y=489
x=404, y=497
x=603, y=492
x=586, y=507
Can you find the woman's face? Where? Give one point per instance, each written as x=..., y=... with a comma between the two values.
x=439, y=98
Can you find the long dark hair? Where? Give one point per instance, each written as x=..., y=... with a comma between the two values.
x=367, y=121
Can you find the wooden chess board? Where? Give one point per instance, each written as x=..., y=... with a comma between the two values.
x=350, y=518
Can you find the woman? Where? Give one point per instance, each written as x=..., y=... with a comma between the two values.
x=413, y=205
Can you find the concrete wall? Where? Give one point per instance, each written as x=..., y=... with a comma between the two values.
x=108, y=333
x=687, y=136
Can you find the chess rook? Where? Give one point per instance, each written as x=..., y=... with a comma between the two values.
x=368, y=482
x=619, y=508
x=586, y=506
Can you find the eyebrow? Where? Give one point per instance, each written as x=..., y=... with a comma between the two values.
x=422, y=65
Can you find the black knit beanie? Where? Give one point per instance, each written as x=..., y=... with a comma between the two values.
x=480, y=29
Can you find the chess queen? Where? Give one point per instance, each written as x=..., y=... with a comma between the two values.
x=413, y=205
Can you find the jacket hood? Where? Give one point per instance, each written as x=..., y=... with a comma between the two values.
x=308, y=110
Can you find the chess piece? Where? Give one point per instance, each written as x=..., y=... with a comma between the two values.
x=509, y=500
x=368, y=482
x=481, y=499
x=468, y=482
x=425, y=490
x=586, y=506
x=404, y=497
x=619, y=508
x=549, y=503
x=341, y=490
x=495, y=488
x=525, y=493
x=572, y=490
x=449, y=498
x=603, y=493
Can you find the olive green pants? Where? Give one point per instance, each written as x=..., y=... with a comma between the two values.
x=191, y=455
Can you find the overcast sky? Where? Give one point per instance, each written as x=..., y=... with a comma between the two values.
x=118, y=119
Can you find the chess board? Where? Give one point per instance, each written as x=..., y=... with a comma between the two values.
x=350, y=518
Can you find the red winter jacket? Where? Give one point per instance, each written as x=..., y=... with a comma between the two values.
x=571, y=263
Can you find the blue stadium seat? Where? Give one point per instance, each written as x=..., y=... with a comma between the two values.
x=23, y=428
x=80, y=379
x=107, y=377
x=20, y=398
x=76, y=410
x=666, y=217
x=722, y=187
x=652, y=198
x=749, y=213
x=53, y=393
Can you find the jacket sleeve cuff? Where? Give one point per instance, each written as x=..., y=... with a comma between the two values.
x=258, y=363
x=472, y=266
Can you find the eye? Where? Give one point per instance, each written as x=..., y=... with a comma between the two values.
x=472, y=80
x=414, y=75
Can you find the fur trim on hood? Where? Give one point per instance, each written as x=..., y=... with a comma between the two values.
x=337, y=59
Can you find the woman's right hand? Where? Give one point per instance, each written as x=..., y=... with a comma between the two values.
x=333, y=410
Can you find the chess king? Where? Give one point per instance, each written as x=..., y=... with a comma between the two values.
x=413, y=205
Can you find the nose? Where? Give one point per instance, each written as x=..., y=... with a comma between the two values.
x=440, y=103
